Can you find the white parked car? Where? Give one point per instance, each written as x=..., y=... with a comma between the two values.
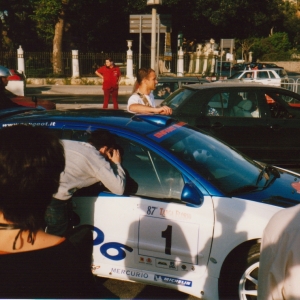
x=264, y=76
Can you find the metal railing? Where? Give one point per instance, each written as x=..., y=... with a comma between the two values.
x=291, y=84
x=39, y=64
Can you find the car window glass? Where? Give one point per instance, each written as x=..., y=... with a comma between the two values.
x=236, y=75
x=217, y=104
x=247, y=75
x=223, y=167
x=164, y=89
x=262, y=75
x=244, y=104
x=276, y=108
x=272, y=75
x=148, y=174
x=75, y=135
x=291, y=100
x=178, y=97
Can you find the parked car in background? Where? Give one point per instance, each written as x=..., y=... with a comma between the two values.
x=281, y=72
x=259, y=65
x=167, y=85
x=264, y=76
x=261, y=121
x=193, y=211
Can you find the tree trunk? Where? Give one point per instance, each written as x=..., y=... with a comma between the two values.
x=57, y=46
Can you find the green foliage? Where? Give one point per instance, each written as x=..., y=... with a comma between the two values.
x=86, y=81
x=45, y=14
x=67, y=81
x=103, y=25
x=277, y=44
x=50, y=81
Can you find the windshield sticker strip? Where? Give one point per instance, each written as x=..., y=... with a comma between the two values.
x=164, y=133
x=46, y=124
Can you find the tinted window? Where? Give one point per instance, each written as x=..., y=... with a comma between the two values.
x=164, y=89
x=275, y=103
x=245, y=104
x=178, y=98
x=262, y=75
x=148, y=174
x=219, y=164
x=236, y=75
x=217, y=105
x=248, y=75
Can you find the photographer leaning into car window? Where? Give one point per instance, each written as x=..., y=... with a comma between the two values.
x=5, y=101
x=35, y=264
x=86, y=164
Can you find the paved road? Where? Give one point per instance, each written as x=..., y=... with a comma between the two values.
x=76, y=96
x=116, y=289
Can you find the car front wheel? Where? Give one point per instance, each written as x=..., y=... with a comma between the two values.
x=239, y=276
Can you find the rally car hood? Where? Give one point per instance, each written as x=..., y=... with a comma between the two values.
x=282, y=191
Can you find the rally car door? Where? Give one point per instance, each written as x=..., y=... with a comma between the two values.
x=149, y=234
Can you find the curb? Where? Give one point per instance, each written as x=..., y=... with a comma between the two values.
x=89, y=106
x=71, y=90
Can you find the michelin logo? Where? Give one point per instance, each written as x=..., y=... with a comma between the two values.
x=172, y=280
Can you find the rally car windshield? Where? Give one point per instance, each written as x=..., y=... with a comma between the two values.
x=216, y=162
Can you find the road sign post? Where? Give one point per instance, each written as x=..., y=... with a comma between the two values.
x=143, y=24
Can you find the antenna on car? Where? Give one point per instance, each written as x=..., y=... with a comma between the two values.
x=34, y=99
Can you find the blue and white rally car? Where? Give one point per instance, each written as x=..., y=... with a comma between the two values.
x=194, y=208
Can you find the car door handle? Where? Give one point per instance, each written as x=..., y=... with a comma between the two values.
x=217, y=125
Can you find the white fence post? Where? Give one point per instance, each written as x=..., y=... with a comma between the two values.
x=21, y=63
x=75, y=64
x=180, y=70
x=129, y=65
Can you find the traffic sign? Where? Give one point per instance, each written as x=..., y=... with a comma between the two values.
x=143, y=23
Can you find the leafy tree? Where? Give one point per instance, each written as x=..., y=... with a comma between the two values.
x=16, y=25
x=291, y=23
x=273, y=47
x=103, y=25
x=50, y=19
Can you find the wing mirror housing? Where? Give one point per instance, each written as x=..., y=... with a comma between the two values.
x=191, y=195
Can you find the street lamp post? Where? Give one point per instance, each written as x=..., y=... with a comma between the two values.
x=154, y=3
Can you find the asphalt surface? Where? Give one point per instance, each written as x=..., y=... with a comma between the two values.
x=76, y=96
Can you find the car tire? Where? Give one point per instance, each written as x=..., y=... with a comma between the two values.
x=239, y=275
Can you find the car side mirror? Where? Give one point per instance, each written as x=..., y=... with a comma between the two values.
x=191, y=195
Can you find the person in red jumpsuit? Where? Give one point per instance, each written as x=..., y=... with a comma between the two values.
x=111, y=76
